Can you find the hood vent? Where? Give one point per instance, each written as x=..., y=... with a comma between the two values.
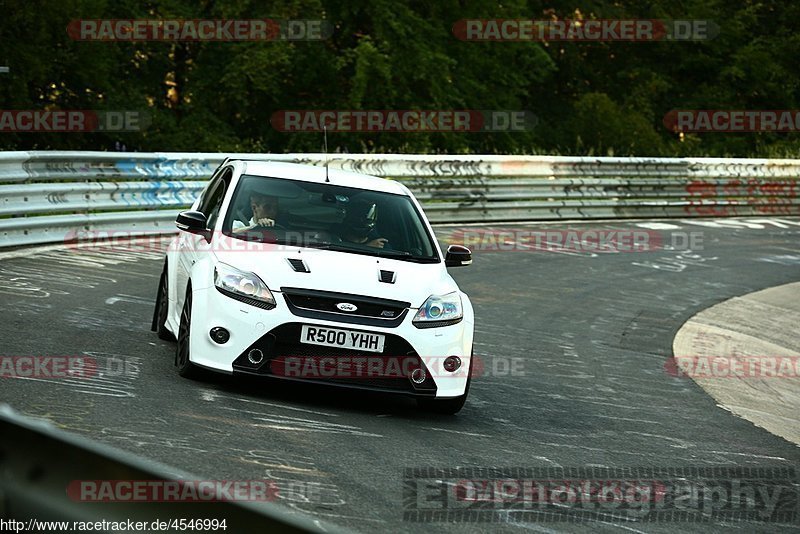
x=387, y=277
x=298, y=265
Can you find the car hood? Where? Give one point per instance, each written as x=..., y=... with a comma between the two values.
x=343, y=272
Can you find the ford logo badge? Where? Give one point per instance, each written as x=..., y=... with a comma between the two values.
x=346, y=306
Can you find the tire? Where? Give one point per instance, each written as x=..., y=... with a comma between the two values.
x=161, y=309
x=185, y=367
x=448, y=406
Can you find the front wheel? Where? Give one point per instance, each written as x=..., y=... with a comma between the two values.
x=162, y=307
x=185, y=366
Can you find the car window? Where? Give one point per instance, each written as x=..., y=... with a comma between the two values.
x=211, y=202
x=208, y=190
x=314, y=214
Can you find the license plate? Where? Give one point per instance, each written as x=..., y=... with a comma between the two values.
x=345, y=339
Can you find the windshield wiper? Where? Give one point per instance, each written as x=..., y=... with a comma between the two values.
x=317, y=244
x=401, y=254
x=369, y=251
x=299, y=242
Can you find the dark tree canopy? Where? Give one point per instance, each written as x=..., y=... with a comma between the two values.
x=590, y=98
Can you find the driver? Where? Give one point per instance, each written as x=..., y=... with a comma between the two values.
x=358, y=225
x=265, y=212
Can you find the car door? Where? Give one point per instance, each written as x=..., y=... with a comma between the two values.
x=191, y=247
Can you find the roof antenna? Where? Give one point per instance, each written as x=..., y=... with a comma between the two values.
x=325, y=135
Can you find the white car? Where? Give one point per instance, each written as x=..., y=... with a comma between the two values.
x=300, y=273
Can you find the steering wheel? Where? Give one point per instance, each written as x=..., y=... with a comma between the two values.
x=275, y=226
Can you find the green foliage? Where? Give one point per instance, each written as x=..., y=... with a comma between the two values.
x=601, y=98
x=600, y=127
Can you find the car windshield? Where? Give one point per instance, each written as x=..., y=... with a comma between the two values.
x=323, y=215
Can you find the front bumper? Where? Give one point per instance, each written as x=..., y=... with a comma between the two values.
x=276, y=334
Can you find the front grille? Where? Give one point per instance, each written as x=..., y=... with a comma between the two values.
x=286, y=357
x=387, y=277
x=323, y=305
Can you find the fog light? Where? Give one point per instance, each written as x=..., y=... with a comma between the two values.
x=255, y=356
x=220, y=335
x=417, y=376
x=452, y=363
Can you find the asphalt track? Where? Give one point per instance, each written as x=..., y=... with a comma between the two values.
x=590, y=334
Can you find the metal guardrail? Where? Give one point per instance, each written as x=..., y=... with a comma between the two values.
x=51, y=196
x=39, y=463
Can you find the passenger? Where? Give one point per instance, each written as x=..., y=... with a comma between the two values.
x=358, y=226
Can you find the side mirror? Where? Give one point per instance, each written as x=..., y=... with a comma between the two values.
x=457, y=256
x=193, y=222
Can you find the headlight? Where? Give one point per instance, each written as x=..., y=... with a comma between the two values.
x=243, y=286
x=439, y=310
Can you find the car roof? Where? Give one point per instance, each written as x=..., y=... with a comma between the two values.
x=314, y=173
